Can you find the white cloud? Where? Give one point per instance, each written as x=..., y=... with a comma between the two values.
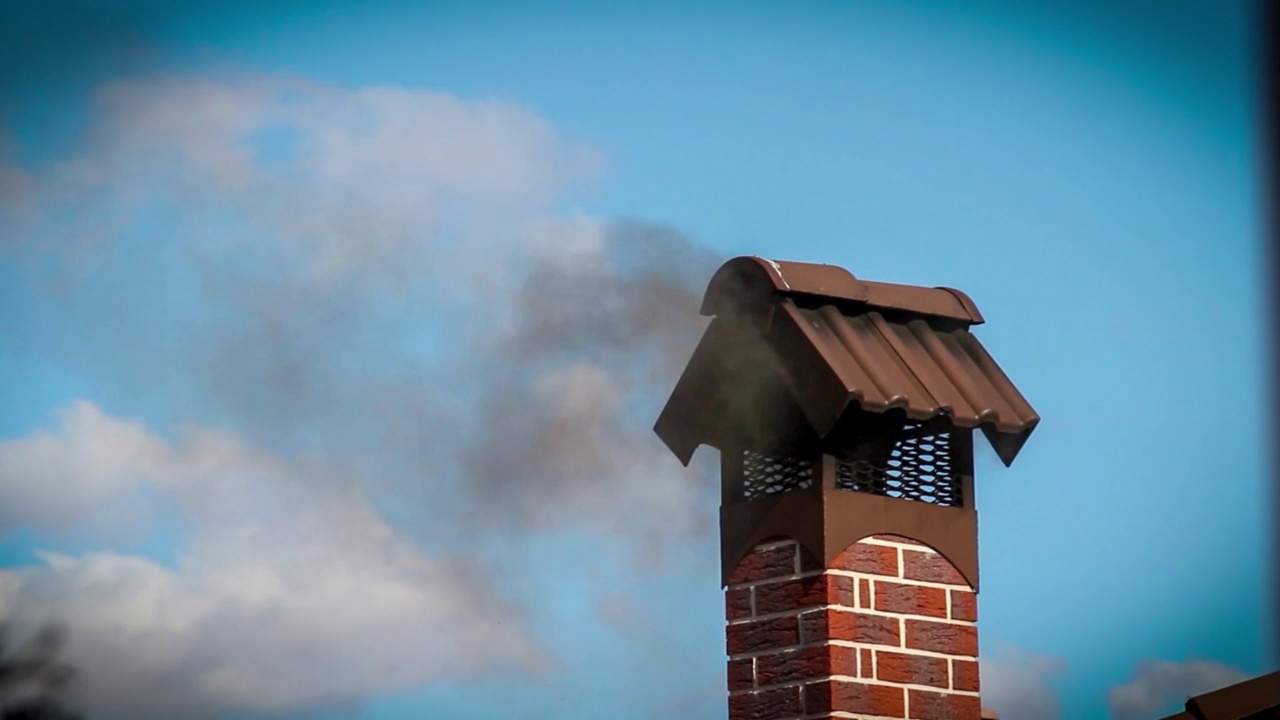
x=1163, y=685
x=323, y=236
x=290, y=592
x=1016, y=684
x=267, y=217
x=53, y=482
x=351, y=179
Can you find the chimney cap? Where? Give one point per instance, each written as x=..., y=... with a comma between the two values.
x=750, y=278
x=835, y=345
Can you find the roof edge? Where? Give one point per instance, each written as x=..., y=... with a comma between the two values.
x=750, y=283
x=1242, y=700
x=970, y=308
x=754, y=279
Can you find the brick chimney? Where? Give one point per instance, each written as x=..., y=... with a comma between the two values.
x=843, y=411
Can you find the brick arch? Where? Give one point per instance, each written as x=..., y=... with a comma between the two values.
x=917, y=560
x=774, y=556
x=878, y=631
x=921, y=579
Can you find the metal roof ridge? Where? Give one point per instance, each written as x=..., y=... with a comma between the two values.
x=752, y=279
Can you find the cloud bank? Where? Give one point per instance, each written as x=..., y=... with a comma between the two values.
x=369, y=329
x=286, y=596
x=1161, y=686
x=1018, y=685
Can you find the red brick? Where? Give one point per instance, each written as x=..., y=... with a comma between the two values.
x=911, y=599
x=910, y=669
x=852, y=697
x=864, y=593
x=737, y=603
x=762, y=635
x=793, y=665
x=765, y=564
x=930, y=567
x=813, y=627
x=866, y=664
x=820, y=661
x=964, y=675
x=803, y=593
x=741, y=674
x=844, y=660
x=927, y=705
x=964, y=605
x=849, y=626
x=899, y=539
x=948, y=638
x=766, y=704
x=817, y=697
x=870, y=559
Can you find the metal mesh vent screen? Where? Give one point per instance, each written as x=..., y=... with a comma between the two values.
x=919, y=467
x=772, y=474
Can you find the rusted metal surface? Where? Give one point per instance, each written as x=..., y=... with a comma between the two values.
x=840, y=345
x=1256, y=699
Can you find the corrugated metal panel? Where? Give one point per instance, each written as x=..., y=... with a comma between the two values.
x=922, y=370
x=841, y=344
x=919, y=369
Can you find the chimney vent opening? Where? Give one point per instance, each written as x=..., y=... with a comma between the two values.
x=920, y=466
x=770, y=474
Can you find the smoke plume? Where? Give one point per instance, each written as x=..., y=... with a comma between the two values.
x=361, y=330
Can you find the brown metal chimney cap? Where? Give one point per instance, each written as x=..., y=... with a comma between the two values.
x=753, y=280
x=834, y=345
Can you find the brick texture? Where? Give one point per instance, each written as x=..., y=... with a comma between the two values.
x=774, y=704
x=964, y=675
x=911, y=599
x=964, y=605
x=849, y=626
x=930, y=567
x=909, y=669
x=865, y=637
x=927, y=705
x=791, y=595
x=870, y=559
x=765, y=564
x=793, y=665
x=737, y=603
x=853, y=697
x=741, y=674
x=948, y=638
x=750, y=637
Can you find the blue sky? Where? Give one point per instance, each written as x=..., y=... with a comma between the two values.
x=1085, y=171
